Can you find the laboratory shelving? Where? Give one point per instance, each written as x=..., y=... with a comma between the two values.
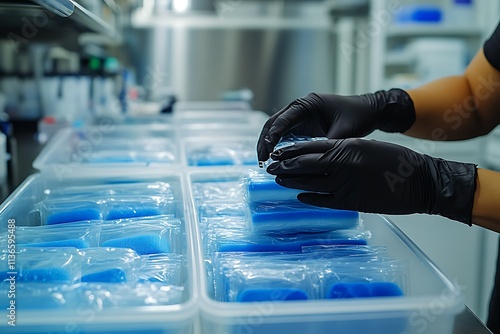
x=50, y=20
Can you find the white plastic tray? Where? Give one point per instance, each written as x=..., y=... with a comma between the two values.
x=177, y=318
x=429, y=306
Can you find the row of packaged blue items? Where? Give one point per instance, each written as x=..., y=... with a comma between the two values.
x=115, y=147
x=275, y=209
x=91, y=296
x=67, y=265
x=221, y=154
x=59, y=211
x=217, y=190
x=159, y=234
x=331, y=274
x=111, y=190
x=232, y=240
x=286, y=261
x=288, y=217
x=103, y=202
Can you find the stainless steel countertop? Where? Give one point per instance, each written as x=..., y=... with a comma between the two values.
x=467, y=323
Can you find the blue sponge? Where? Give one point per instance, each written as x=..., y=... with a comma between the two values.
x=267, y=190
x=39, y=275
x=294, y=216
x=364, y=290
x=129, y=212
x=142, y=244
x=271, y=294
x=77, y=243
x=73, y=216
x=114, y=275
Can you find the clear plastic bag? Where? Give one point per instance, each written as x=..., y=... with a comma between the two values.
x=138, y=206
x=110, y=265
x=289, y=140
x=102, y=296
x=260, y=187
x=222, y=190
x=68, y=210
x=357, y=279
x=149, y=236
x=221, y=240
x=168, y=269
x=222, y=154
x=42, y=265
x=63, y=210
x=91, y=296
x=222, y=208
x=256, y=282
x=229, y=223
x=293, y=217
x=78, y=235
x=103, y=191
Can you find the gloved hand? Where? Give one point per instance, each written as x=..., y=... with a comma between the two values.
x=336, y=116
x=376, y=177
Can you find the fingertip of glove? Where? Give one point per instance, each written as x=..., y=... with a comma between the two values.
x=304, y=198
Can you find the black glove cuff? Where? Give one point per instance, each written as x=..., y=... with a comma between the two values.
x=455, y=184
x=395, y=110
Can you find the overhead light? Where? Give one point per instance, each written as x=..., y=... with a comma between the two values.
x=180, y=5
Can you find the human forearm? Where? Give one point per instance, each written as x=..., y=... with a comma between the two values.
x=485, y=211
x=458, y=107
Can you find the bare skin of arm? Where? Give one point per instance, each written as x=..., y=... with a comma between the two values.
x=458, y=107
x=462, y=107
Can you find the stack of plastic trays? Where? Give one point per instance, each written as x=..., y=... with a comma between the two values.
x=367, y=277
x=113, y=245
x=109, y=145
x=220, y=151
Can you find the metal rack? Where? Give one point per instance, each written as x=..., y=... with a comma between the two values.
x=55, y=17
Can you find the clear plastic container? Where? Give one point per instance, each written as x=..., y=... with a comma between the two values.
x=429, y=305
x=220, y=151
x=144, y=306
x=108, y=145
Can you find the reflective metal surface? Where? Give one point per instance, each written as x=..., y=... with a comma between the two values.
x=62, y=8
x=278, y=56
x=467, y=323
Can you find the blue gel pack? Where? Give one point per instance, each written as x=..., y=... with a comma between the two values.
x=128, y=212
x=142, y=244
x=76, y=243
x=294, y=216
x=363, y=290
x=211, y=161
x=73, y=216
x=38, y=275
x=272, y=245
x=271, y=294
x=265, y=189
x=114, y=275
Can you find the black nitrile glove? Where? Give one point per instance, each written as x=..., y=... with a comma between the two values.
x=336, y=116
x=376, y=177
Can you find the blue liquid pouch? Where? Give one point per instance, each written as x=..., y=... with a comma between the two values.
x=254, y=282
x=168, y=269
x=110, y=265
x=295, y=217
x=147, y=236
x=42, y=265
x=239, y=241
x=223, y=154
x=78, y=235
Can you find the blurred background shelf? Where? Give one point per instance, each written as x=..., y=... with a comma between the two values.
x=57, y=18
